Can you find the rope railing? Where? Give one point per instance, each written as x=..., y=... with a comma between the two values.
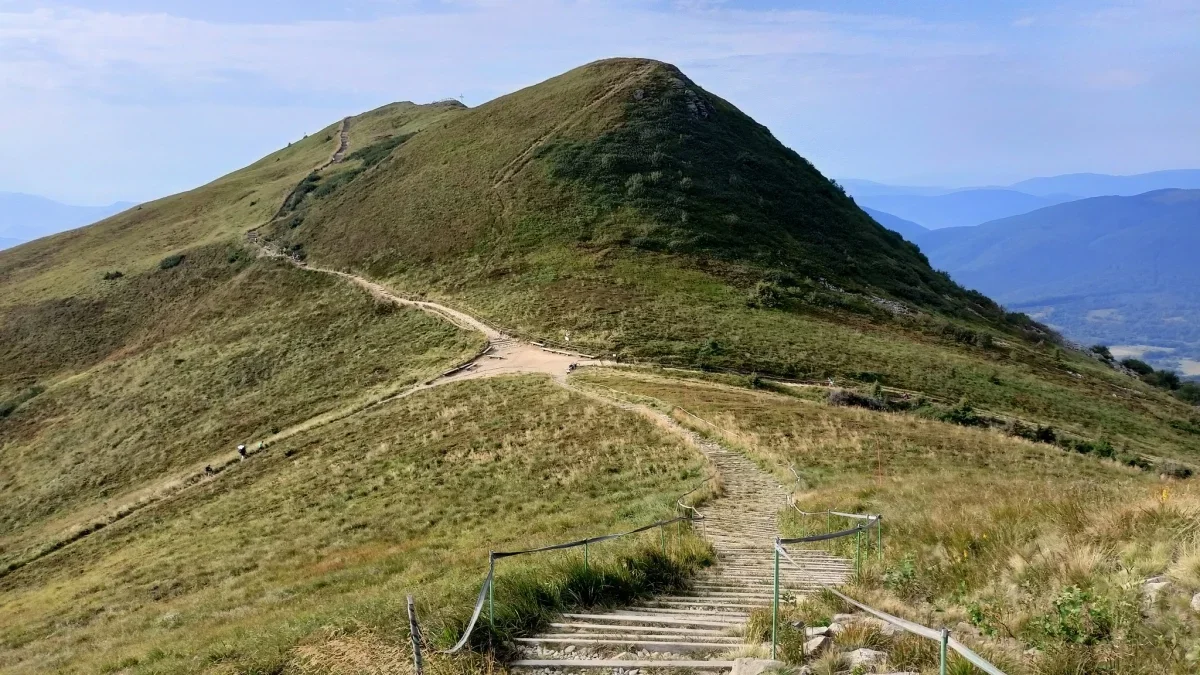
x=942, y=636
x=486, y=592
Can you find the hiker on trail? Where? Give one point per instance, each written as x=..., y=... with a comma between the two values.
x=242, y=451
x=571, y=368
x=261, y=446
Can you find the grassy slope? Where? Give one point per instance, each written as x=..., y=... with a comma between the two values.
x=1050, y=519
x=318, y=540
x=144, y=379
x=559, y=247
x=235, y=351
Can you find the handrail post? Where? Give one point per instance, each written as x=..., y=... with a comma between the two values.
x=491, y=588
x=415, y=633
x=945, y=642
x=775, y=603
x=662, y=536
x=858, y=551
x=879, y=527
x=585, y=554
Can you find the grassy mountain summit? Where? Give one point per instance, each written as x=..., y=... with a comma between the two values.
x=622, y=153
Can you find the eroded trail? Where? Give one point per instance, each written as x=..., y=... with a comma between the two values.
x=701, y=628
x=697, y=629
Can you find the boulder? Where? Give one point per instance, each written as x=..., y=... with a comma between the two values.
x=884, y=627
x=814, y=632
x=1151, y=589
x=816, y=645
x=1196, y=602
x=755, y=666
x=833, y=628
x=845, y=618
x=865, y=657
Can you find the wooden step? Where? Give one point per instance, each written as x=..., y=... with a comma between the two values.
x=569, y=664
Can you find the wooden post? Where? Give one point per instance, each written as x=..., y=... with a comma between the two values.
x=415, y=632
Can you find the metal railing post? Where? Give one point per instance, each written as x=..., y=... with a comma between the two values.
x=491, y=589
x=858, y=552
x=663, y=538
x=775, y=604
x=879, y=527
x=585, y=554
x=945, y=642
x=415, y=633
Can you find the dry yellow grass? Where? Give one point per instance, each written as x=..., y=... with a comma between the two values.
x=980, y=528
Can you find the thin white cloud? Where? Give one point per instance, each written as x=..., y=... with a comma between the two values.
x=883, y=96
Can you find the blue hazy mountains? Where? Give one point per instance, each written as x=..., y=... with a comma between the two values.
x=26, y=217
x=1104, y=259
x=938, y=207
x=1118, y=270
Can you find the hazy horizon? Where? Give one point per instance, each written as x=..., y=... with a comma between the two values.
x=145, y=101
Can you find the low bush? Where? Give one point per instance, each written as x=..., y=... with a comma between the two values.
x=848, y=397
x=109, y=276
x=171, y=261
x=963, y=414
x=379, y=151
x=1078, y=617
x=11, y=404
x=765, y=295
x=1173, y=470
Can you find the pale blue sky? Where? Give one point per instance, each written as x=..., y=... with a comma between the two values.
x=133, y=99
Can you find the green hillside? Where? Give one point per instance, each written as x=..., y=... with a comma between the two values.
x=617, y=209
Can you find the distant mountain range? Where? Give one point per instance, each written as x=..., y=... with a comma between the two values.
x=1099, y=185
x=1116, y=270
x=26, y=217
x=907, y=228
x=962, y=208
x=939, y=207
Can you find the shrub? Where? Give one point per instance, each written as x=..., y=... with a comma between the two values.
x=1078, y=617
x=1137, y=366
x=171, y=261
x=913, y=653
x=379, y=151
x=1103, y=352
x=963, y=414
x=9, y=405
x=1164, y=379
x=765, y=295
x=1173, y=470
x=861, y=635
x=109, y=276
x=1190, y=392
x=847, y=397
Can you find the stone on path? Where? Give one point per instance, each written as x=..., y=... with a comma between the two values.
x=865, y=657
x=755, y=666
x=816, y=645
x=1196, y=602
